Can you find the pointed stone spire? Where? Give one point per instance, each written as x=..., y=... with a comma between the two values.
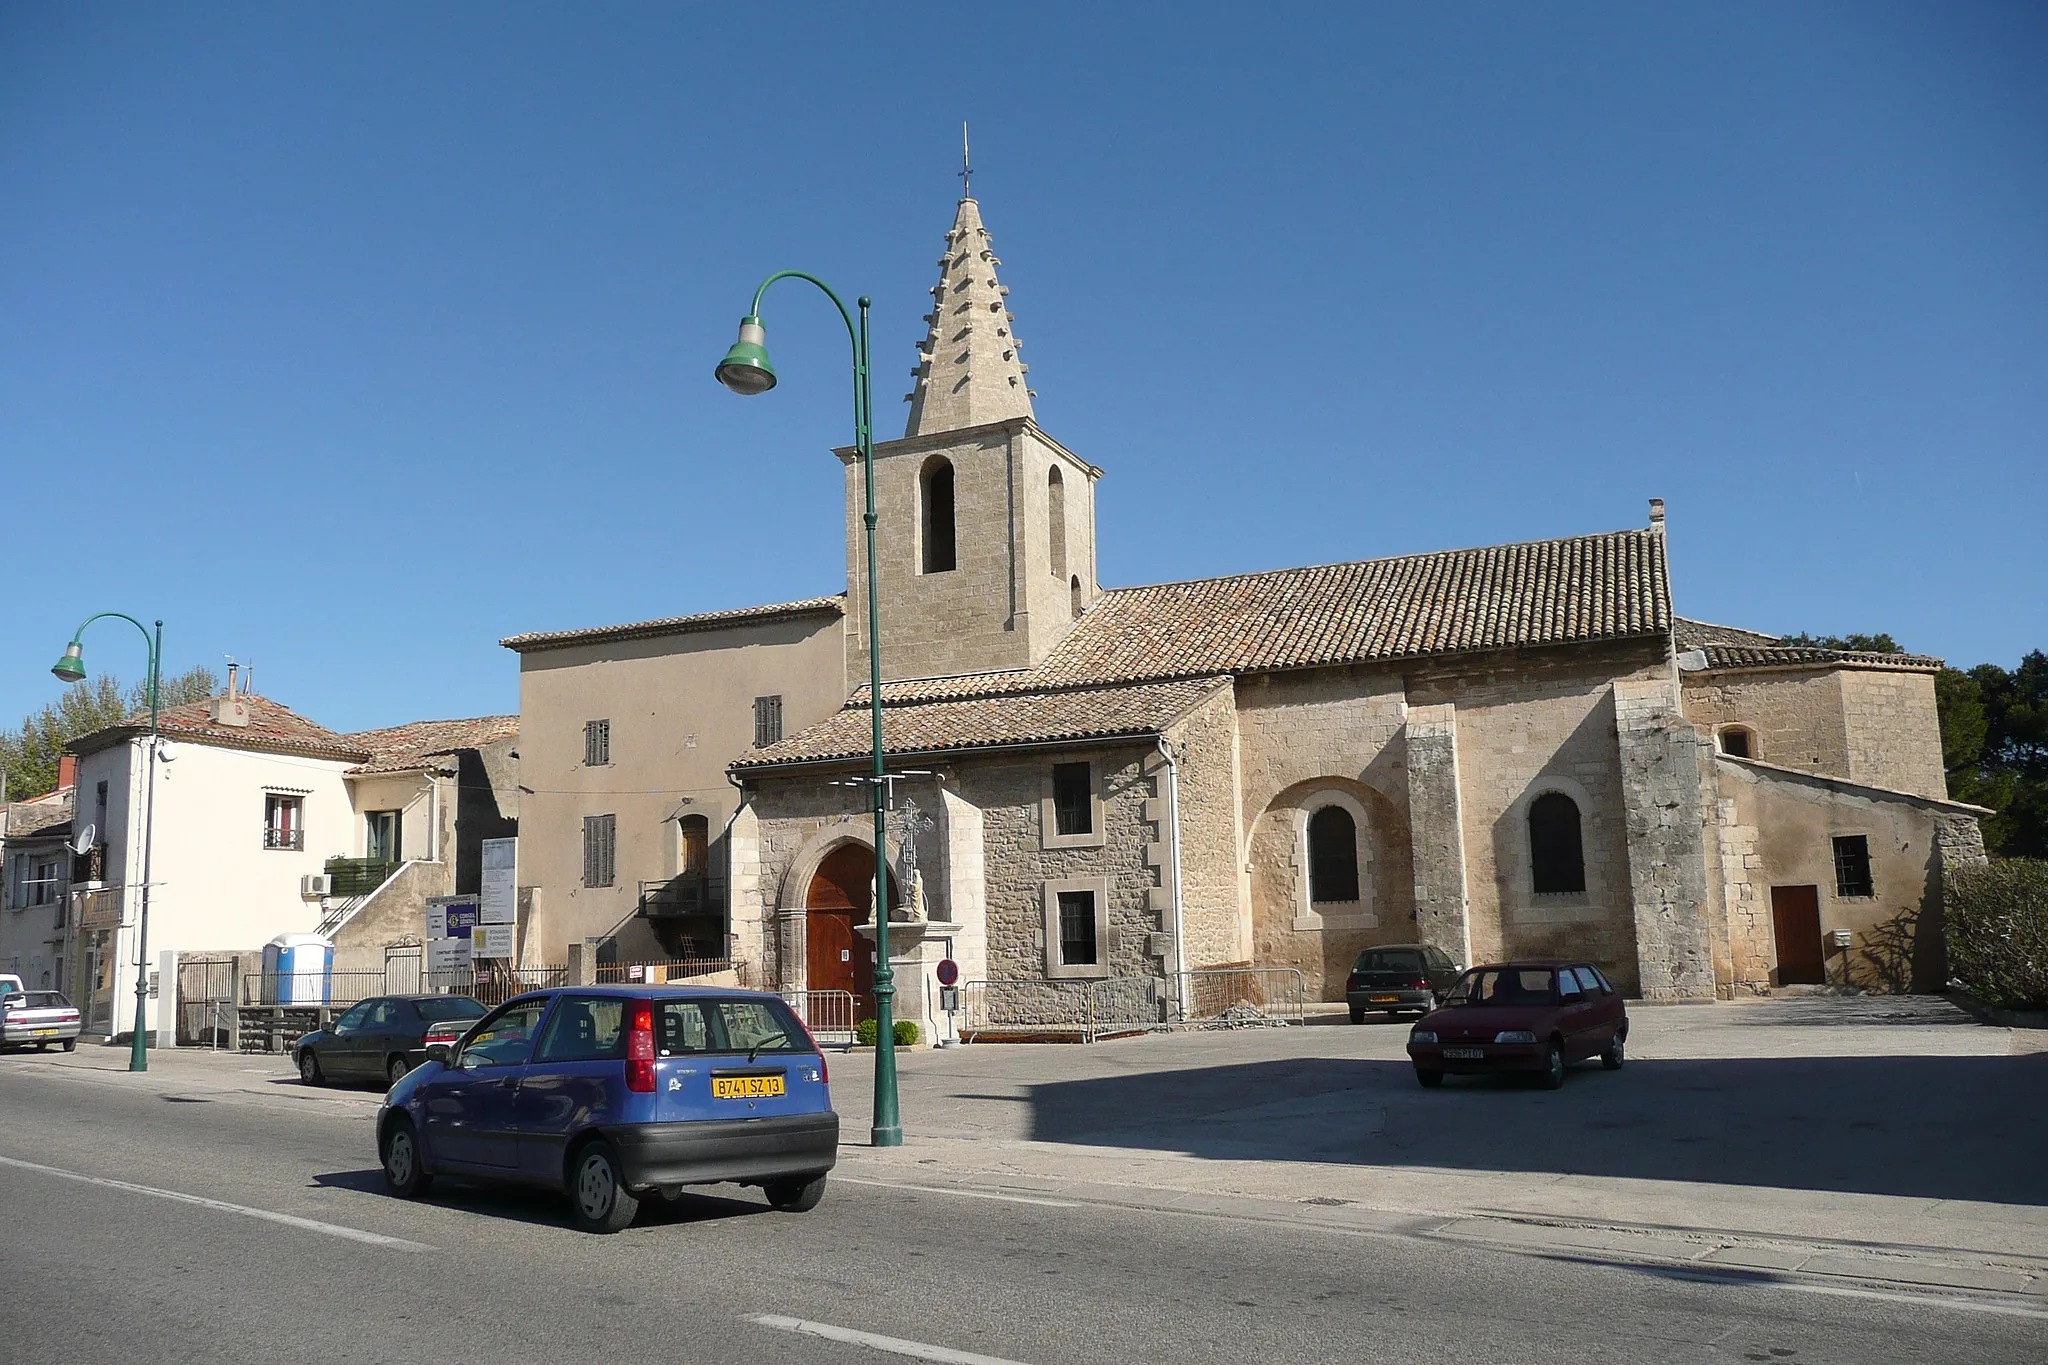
x=968, y=372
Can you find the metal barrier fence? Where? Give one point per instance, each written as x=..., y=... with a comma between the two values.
x=1085, y=1011
x=337, y=990
x=827, y=1014
x=656, y=973
x=1238, y=997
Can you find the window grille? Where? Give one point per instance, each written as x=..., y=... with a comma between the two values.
x=1073, y=798
x=1077, y=929
x=1852, y=866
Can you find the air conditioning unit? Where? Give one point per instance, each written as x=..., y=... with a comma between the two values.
x=315, y=886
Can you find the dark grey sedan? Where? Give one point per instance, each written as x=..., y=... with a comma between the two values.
x=379, y=1039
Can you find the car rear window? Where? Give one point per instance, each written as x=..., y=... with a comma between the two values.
x=47, y=1000
x=1389, y=960
x=449, y=1007
x=757, y=1026
x=1505, y=986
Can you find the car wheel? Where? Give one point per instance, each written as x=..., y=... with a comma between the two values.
x=795, y=1196
x=1552, y=1075
x=1615, y=1055
x=395, y=1072
x=1430, y=1079
x=309, y=1068
x=71, y=1045
x=598, y=1198
x=404, y=1174
x=1357, y=1015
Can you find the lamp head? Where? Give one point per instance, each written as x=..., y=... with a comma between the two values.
x=70, y=668
x=745, y=369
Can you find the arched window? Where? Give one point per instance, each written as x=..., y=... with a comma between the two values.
x=1738, y=741
x=937, y=509
x=1557, y=859
x=1056, y=519
x=1332, y=856
x=1074, y=593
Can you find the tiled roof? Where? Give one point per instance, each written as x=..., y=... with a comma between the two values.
x=1019, y=718
x=1546, y=592
x=1808, y=656
x=676, y=625
x=1692, y=634
x=38, y=816
x=272, y=728
x=405, y=748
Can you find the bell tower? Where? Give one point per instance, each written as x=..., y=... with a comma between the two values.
x=985, y=539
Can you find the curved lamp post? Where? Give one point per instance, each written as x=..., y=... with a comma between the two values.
x=746, y=371
x=71, y=669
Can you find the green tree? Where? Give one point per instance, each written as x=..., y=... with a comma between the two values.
x=1994, y=740
x=1856, y=644
x=29, y=753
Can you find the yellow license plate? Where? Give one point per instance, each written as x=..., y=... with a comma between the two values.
x=745, y=1087
x=43, y=1033
x=1386, y=1000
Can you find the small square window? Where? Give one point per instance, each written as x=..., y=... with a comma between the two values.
x=1078, y=947
x=1852, y=866
x=1073, y=798
x=284, y=822
x=597, y=743
x=767, y=721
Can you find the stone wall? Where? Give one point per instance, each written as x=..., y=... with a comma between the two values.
x=1661, y=776
x=1893, y=730
x=1212, y=907
x=1526, y=723
x=1795, y=715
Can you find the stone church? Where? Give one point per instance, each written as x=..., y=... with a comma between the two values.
x=1515, y=750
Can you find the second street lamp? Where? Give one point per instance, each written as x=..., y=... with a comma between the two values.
x=71, y=668
x=746, y=371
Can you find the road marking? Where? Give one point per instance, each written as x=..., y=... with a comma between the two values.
x=963, y=1194
x=1917, y=1300
x=916, y=1350
x=289, y=1220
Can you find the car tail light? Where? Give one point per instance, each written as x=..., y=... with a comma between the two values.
x=1420, y=983
x=640, y=1048
x=1351, y=982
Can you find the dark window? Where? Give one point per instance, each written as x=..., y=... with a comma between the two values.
x=600, y=849
x=449, y=1007
x=382, y=836
x=1389, y=960
x=1735, y=743
x=767, y=721
x=506, y=1039
x=1073, y=798
x=1332, y=856
x=938, y=517
x=742, y=1026
x=1077, y=929
x=1557, y=861
x=1056, y=521
x=597, y=743
x=583, y=1029
x=1852, y=866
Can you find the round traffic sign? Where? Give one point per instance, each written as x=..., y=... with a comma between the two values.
x=949, y=971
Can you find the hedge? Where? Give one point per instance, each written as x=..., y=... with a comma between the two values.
x=905, y=1031
x=1997, y=923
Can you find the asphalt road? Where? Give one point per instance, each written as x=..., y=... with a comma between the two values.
x=110, y=1251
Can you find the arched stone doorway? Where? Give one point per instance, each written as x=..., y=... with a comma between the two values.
x=839, y=899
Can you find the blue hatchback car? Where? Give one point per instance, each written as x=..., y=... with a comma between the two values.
x=611, y=1093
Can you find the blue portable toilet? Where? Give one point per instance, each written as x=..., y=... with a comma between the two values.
x=298, y=969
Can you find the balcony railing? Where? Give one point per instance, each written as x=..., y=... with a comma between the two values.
x=689, y=894
x=283, y=838
x=358, y=876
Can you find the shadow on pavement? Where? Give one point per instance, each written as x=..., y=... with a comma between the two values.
x=546, y=1208
x=1927, y=1127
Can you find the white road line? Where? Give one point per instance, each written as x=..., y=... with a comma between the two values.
x=916, y=1350
x=289, y=1220
x=1917, y=1300
x=962, y=1194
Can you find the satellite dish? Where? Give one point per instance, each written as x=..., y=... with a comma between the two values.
x=83, y=842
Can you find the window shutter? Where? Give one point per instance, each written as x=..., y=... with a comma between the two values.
x=597, y=743
x=767, y=720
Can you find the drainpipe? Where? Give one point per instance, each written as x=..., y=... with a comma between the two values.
x=434, y=818
x=1180, y=941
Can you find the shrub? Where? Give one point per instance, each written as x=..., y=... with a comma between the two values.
x=867, y=1031
x=1997, y=922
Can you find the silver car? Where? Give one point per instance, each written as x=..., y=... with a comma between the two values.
x=37, y=1019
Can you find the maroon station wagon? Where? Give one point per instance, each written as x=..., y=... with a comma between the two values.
x=1533, y=1017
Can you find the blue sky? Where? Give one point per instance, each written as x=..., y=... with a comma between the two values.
x=349, y=339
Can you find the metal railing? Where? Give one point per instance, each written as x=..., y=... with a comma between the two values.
x=338, y=990
x=688, y=894
x=274, y=837
x=656, y=973
x=1237, y=997
x=357, y=876
x=827, y=1014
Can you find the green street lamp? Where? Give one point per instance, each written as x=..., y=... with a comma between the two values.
x=70, y=669
x=746, y=371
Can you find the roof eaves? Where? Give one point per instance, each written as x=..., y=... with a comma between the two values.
x=834, y=605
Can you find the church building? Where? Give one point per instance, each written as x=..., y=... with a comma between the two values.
x=1516, y=750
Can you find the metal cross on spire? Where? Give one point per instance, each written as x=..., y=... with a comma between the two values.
x=966, y=169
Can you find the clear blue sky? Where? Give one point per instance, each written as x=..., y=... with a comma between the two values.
x=351, y=338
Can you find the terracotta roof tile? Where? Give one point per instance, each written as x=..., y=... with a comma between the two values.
x=38, y=816
x=273, y=728
x=1020, y=718
x=1807, y=656
x=404, y=748
x=1693, y=634
x=675, y=625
